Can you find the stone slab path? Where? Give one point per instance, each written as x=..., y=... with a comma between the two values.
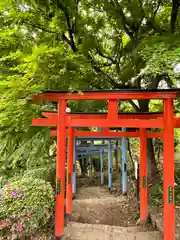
x=98, y=215
x=79, y=231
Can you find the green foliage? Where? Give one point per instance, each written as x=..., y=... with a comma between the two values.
x=45, y=172
x=75, y=45
x=156, y=191
x=26, y=205
x=25, y=151
x=177, y=181
x=156, y=194
x=161, y=55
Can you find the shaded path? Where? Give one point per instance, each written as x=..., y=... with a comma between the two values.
x=97, y=214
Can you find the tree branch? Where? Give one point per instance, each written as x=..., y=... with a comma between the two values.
x=70, y=27
x=136, y=108
x=150, y=21
x=105, y=64
x=64, y=37
x=158, y=5
x=98, y=50
x=74, y=25
x=137, y=79
x=130, y=153
x=97, y=68
x=39, y=27
x=174, y=13
x=126, y=26
x=11, y=72
x=168, y=80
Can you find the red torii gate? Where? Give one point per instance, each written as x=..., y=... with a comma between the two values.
x=51, y=121
x=166, y=121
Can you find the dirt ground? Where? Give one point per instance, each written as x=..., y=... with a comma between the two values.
x=121, y=211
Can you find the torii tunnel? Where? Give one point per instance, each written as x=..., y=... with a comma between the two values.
x=66, y=123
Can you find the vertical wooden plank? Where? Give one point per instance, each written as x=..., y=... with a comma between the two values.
x=60, y=169
x=69, y=171
x=124, y=164
x=91, y=166
x=74, y=167
x=102, y=166
x=168, y=172
x=109, y=164
x=113, y=109
x=143, y=176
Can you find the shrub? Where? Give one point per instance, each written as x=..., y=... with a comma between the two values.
x=45, y=172
x=26, y=205
x=156, y=196
x=177, y=180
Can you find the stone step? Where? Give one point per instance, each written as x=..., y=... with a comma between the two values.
x=78, y=231
x=92, y=192
x=104, y=195
x=106, y=199
x=106, y=228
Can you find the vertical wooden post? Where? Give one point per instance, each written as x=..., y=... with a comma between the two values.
x=102, y=166
x=91, y=162
x=168, y=172
x=143, y=176
x=137, y=186
x=91, y=166
x=74, y=167
x=60, y=169
x=113, y=109
x=124, y=164
x=102, y=157
x=105, y=129
x=69, y=171
x=109, y=164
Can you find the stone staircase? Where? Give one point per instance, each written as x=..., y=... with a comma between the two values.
x=98, y=215
x=80, y=231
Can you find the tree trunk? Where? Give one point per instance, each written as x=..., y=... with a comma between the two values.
x=151, y=161
x=115, y=158
x=130, y=156
x=152, y=170
x=119, y=157
x=82, y=166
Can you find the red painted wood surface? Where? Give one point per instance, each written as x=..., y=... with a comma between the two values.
x=60, y=169
x=112, y=110
x=105, y=95
x=69, y=171
x=112, y=134
x=168, y=172
x=105, y=115
x=143, y=176
x=126, y=123
x=72, y=119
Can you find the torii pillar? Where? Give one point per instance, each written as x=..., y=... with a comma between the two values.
x=168, y=171
x=69, y=170
x=60, y=169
